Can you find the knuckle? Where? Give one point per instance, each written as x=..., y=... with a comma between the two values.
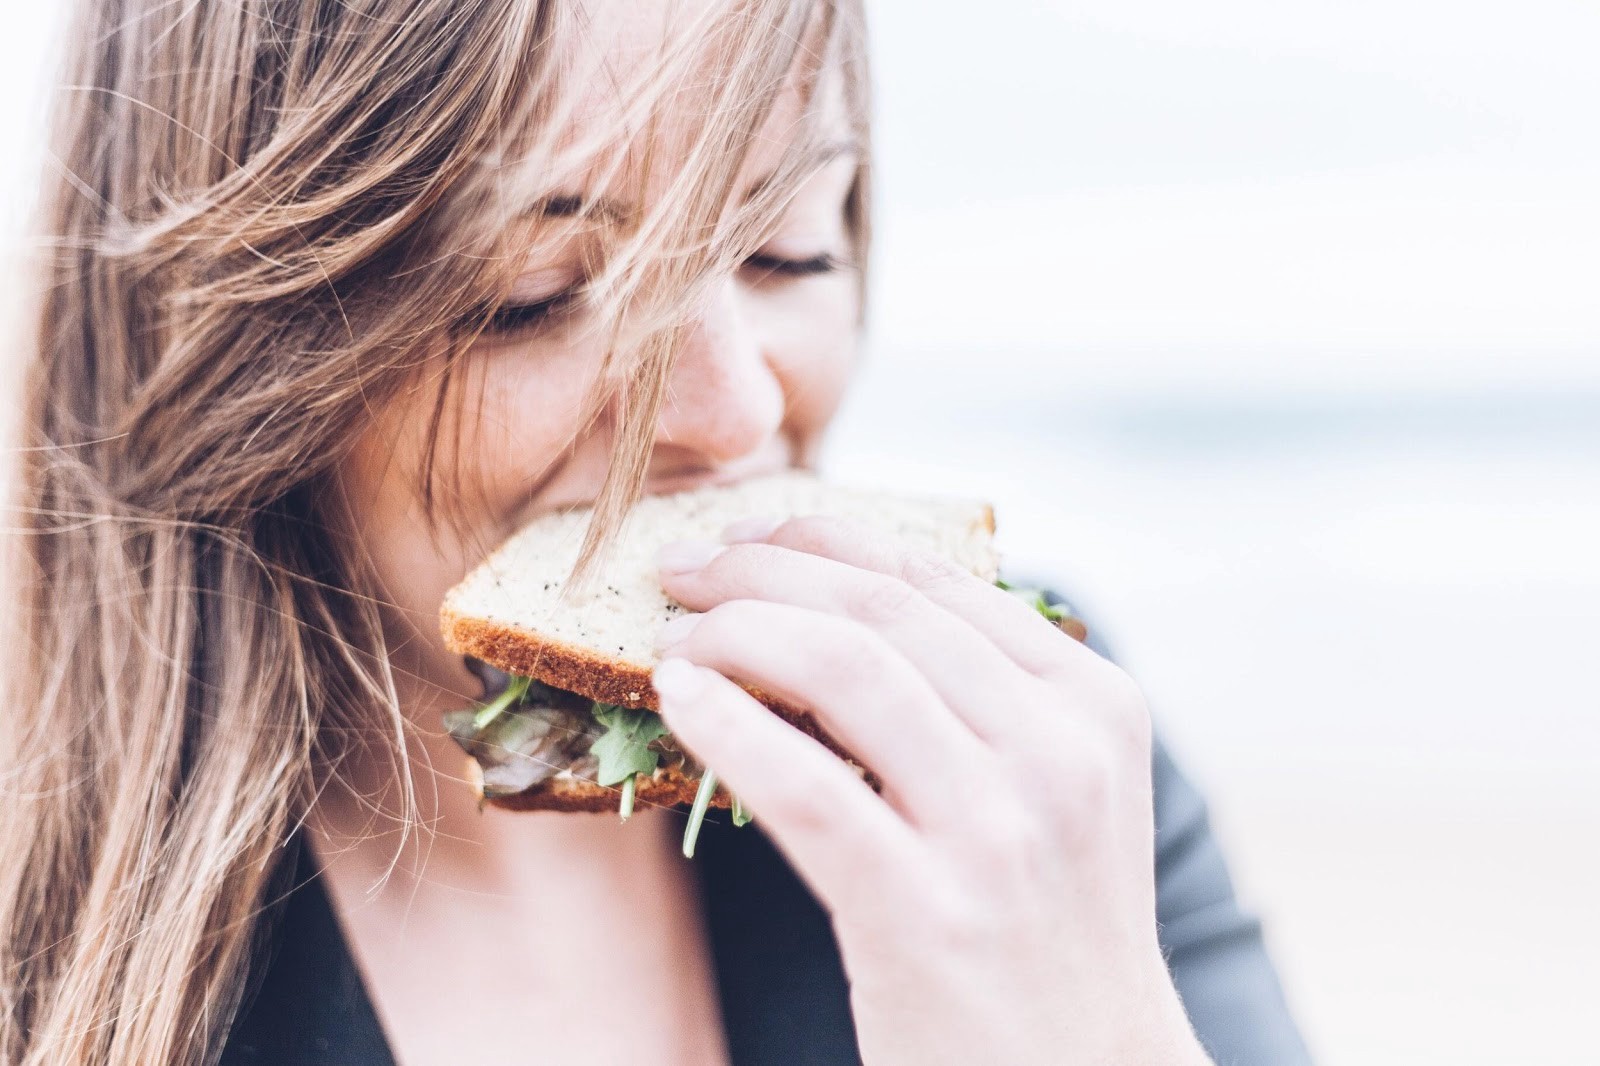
x=1067, y=661
x=882, y=601
x=858, y=652
x=737, y=563
x=1128, y=713
x=922, y=571
x=1119, y=685
x=725, y=625
x=742, y=570
x=808, y=532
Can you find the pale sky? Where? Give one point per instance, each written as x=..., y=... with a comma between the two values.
x=1368, y=193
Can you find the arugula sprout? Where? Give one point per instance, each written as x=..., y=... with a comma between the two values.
x=624, y=749
x=625, y=805
x=513, y=693
x=697, y=813
x=1056, y=612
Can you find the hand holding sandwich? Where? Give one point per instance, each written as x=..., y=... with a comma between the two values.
x=996, y=902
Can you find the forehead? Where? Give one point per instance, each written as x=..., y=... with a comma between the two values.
x=646, y=73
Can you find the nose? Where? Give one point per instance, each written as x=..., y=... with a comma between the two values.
x=723, y=399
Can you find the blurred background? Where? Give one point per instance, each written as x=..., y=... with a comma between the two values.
x=1273, y=332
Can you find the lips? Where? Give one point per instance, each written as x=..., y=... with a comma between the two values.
x=682, y=479
x=666, y=478
x=494, y=681
x=707, y=479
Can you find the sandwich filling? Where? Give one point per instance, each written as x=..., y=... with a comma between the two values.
x=529, y=733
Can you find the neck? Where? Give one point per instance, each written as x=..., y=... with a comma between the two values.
x=495, y=914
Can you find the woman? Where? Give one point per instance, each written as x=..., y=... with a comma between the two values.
x=340, y=294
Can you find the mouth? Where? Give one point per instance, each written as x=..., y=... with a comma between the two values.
x=707, y=477
x=494, y=681
x=571, y=489
x=667, y=481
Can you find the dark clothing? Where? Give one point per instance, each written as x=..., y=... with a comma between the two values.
x=784, y=997
x=785, y=1001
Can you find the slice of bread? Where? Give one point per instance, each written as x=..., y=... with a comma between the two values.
x=516, y=613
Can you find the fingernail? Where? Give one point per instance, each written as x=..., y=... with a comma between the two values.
x=675, y=630
x=686, y=556
x=677, y=681
x=750, y=530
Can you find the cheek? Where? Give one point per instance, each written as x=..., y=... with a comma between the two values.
x=520, y=409
x=813, y=348
x=412, y=564
x=508, y=418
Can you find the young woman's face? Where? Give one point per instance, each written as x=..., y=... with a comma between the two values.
x=751, y=392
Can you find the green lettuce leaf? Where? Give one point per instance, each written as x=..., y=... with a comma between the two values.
x=624, y=749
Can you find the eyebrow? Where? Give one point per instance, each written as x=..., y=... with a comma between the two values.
x=572, y=205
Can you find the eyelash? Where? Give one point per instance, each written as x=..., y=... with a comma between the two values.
x=518, y=318
x=826, y=263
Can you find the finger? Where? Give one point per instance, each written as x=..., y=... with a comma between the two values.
x=1011, y=625
x=824, y=818
x=862, y=692
x=979, y=682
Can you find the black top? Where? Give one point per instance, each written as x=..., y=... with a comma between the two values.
x=785, y=1001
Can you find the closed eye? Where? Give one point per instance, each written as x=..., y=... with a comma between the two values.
x=825, y=263
x=510, y=319
x=517, y=318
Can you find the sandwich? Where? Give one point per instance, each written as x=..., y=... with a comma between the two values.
x=568, y=722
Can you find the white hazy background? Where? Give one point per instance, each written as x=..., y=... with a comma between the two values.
x=1273, y=332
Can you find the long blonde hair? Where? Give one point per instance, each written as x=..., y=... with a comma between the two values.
x=263, y=219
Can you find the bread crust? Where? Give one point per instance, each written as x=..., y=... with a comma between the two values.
x=521, y=651
x=517, y=650
x=664, y=788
